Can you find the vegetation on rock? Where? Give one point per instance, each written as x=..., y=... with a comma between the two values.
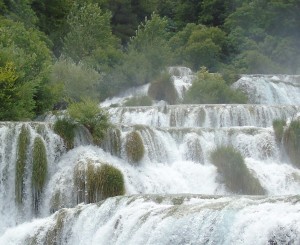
x=163, y=88
x=278, y=127
x=134, y=147
x=23, y=143
x=139, y=101
x=39, y=169
x=65, y=128
x=291, y=141
x=236, y=176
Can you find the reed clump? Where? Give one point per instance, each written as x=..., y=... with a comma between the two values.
x=134, y=147
x=235, y=174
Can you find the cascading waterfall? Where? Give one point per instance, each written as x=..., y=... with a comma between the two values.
x=174, y=194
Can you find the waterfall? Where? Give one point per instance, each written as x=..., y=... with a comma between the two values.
x=174, y=194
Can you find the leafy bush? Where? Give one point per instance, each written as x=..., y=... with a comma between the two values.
x=278, y=127
x=236, y=175
x=88, y=113
x=65, y=129
x=134, y=147
x=76, y=80
x=163, y=89
x=139, y=101
x=210, y=88
x=291, y=140
x=39, y=169
x=23, y=142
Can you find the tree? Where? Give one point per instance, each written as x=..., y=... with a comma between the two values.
x=90, y=39
x=31, y=59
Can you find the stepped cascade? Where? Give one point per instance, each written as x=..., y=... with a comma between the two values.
x=174, y=194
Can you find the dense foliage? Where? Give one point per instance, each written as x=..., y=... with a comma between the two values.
x=50, y=50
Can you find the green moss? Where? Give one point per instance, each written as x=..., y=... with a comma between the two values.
x=23, y=142
x=65, y=129
x=278, y=127
x=39, y=169
x=163, y=89
x=291, y=140
x=235, y=174
x=134, y=147
x=139, y=101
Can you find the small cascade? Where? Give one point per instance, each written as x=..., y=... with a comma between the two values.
x=202, y=115
x=169, y=219
x=159, y=161
x=270, y=89
x=21, y=177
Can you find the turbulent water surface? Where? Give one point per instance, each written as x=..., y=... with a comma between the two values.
x=175, y=195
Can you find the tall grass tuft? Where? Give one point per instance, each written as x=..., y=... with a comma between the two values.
x=235, y=174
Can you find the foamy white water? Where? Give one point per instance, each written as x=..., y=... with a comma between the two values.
x=179, y=219
x=167, y=207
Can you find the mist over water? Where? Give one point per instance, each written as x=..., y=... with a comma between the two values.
x=175, y=195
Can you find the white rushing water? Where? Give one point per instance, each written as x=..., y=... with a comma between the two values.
x=175, y=195
x=177, y=219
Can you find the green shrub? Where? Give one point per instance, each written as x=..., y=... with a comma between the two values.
x=139, y=101
x=134, y=147
x=210, y=88
x=236, y=175
x=112, y=141
x=88, y=113
x=65, y=129
x=99, y=182
x=278, y=127
x=163, y=89
x=291, y=140
x=23, y=142
x=39, y=169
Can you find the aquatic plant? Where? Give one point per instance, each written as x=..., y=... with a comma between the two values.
x=65, y=129
x=235, y=174
x=23, y=142
x=134, y=147
x=278, y=127
x=112, y=141
x=291, y=140
x=39, y=169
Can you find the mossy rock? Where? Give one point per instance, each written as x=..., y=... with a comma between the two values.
x=66, y=130
x=39, y=169
x=134, y=147
x=139, y=101
x=278, y=127
x=235, y=174
x=112, y=141
x=23, y=143
x=292, y=142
